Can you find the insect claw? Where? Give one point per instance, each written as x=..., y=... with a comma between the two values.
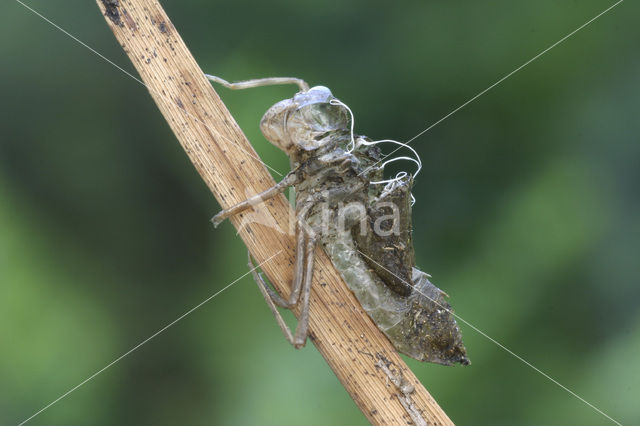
x=217, y=220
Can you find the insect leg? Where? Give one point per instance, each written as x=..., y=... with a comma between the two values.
x=268, y=295
x=305, y=239
x=297, y=278
x=298, y=269
x=279, y=187
x=272, y=298
x=258, y=82
x=303, y=323
x=257, y=277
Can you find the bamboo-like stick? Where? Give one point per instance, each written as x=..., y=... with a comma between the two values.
x=346, y=337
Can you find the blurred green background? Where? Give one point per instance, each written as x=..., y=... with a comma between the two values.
x=528, y=211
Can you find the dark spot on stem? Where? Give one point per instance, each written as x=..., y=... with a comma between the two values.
x=129, y=20
x=111, y=11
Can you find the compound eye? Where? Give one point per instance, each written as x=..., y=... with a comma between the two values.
x=274, y=125
x=321, y=92
x=315, y=95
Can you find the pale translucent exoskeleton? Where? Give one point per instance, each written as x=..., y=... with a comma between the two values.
x=363, y=221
